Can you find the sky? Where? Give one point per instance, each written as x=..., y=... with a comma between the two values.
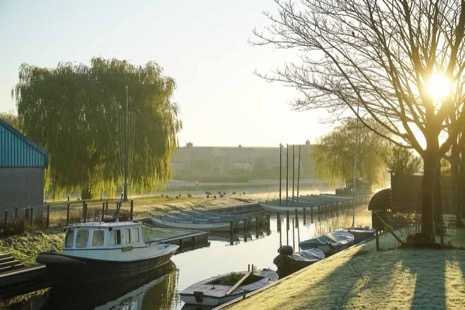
x=203, y=45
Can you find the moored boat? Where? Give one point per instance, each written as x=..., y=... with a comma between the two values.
x=289, y=262
x=220, y=289
x=361, y=233
x=194, y=224
x=329, y=243
x=97, y=251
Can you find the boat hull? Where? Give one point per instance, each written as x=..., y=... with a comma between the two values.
x=69, y=270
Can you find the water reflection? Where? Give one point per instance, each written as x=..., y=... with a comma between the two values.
x=154, y=290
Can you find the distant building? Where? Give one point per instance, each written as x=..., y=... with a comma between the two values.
x=239, y=164
x=22, y=165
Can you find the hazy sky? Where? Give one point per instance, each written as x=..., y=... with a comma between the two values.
x=202, y=44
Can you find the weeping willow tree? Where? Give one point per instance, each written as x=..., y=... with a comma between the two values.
x=72, y=111
x=335, y=155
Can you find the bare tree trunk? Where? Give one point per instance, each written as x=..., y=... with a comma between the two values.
x=430, y=162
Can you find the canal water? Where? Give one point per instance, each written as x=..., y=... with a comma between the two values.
x=160, y=290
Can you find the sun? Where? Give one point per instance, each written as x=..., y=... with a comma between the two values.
x=439, y=86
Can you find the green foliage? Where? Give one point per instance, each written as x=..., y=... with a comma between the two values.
x=73, y=110
x=401, y=161
x=334, y=157
x=11, y=119
x=14, y=227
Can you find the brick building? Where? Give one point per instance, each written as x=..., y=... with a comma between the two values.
x=22, y=165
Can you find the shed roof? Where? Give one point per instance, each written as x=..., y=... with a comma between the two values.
x=16, y=150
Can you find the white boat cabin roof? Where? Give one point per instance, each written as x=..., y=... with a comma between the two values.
x=103, y=225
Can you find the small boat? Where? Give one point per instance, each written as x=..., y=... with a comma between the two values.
x=289, y=262
x=97, y=251
x=329, y=243
x=192, y=224
x=223, y=288
x=361, y=233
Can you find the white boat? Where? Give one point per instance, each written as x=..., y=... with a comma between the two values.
x=193, y=224
x=362, y=233
x=97, y=251
x=211, y=291
x=329, y=243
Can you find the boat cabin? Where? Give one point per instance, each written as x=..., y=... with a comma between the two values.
x=98, y=234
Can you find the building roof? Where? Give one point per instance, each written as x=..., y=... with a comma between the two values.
x=16, y=150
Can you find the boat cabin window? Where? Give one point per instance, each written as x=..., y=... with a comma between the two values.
x=125, y=236
x=69, y=238
x=115, y=237
x=134, y=235
x=81, y=238
x=98, y=236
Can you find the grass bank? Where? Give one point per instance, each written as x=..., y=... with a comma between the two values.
x=363, y=278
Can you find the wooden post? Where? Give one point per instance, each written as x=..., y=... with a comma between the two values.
x=103, y=213
x=106, y=207
x=296, y=218
x=268, y=230
x=84, y=211
x=67, y=214
x=246, y=228
x=278, y=222
x=305, y=216
x=287, y=219
x=293, y=235
x=377, y=239
x=311, y=214
x=287, y=227
x=131, y=212
x=117, y=212
x=231, y=232
x=257, y=227
x=47, y=223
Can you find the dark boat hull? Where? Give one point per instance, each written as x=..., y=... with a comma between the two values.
x=70, y=270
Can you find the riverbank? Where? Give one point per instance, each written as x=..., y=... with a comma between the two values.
x=363, y=278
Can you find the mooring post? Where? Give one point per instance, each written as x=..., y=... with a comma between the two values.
x=67, y=214
x=246, y=225
x=377, y=239
x=85, y=212
x=296, y=218
x=293, y=235
x=103, y=212
x=47, y=223
x=278, y=222
x=305, y=216
x=106, y=207
x=319, y=212
x=231, y=232
x=268, y=230
x=131, y=213
x=287, y=227
x=256, y=227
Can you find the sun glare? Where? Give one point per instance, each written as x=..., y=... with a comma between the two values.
x=439, y=86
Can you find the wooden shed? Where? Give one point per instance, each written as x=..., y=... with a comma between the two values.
x=22, y=166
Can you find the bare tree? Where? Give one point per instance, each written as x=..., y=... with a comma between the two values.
x=379, y=55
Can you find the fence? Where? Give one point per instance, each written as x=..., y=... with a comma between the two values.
x=399, y=229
